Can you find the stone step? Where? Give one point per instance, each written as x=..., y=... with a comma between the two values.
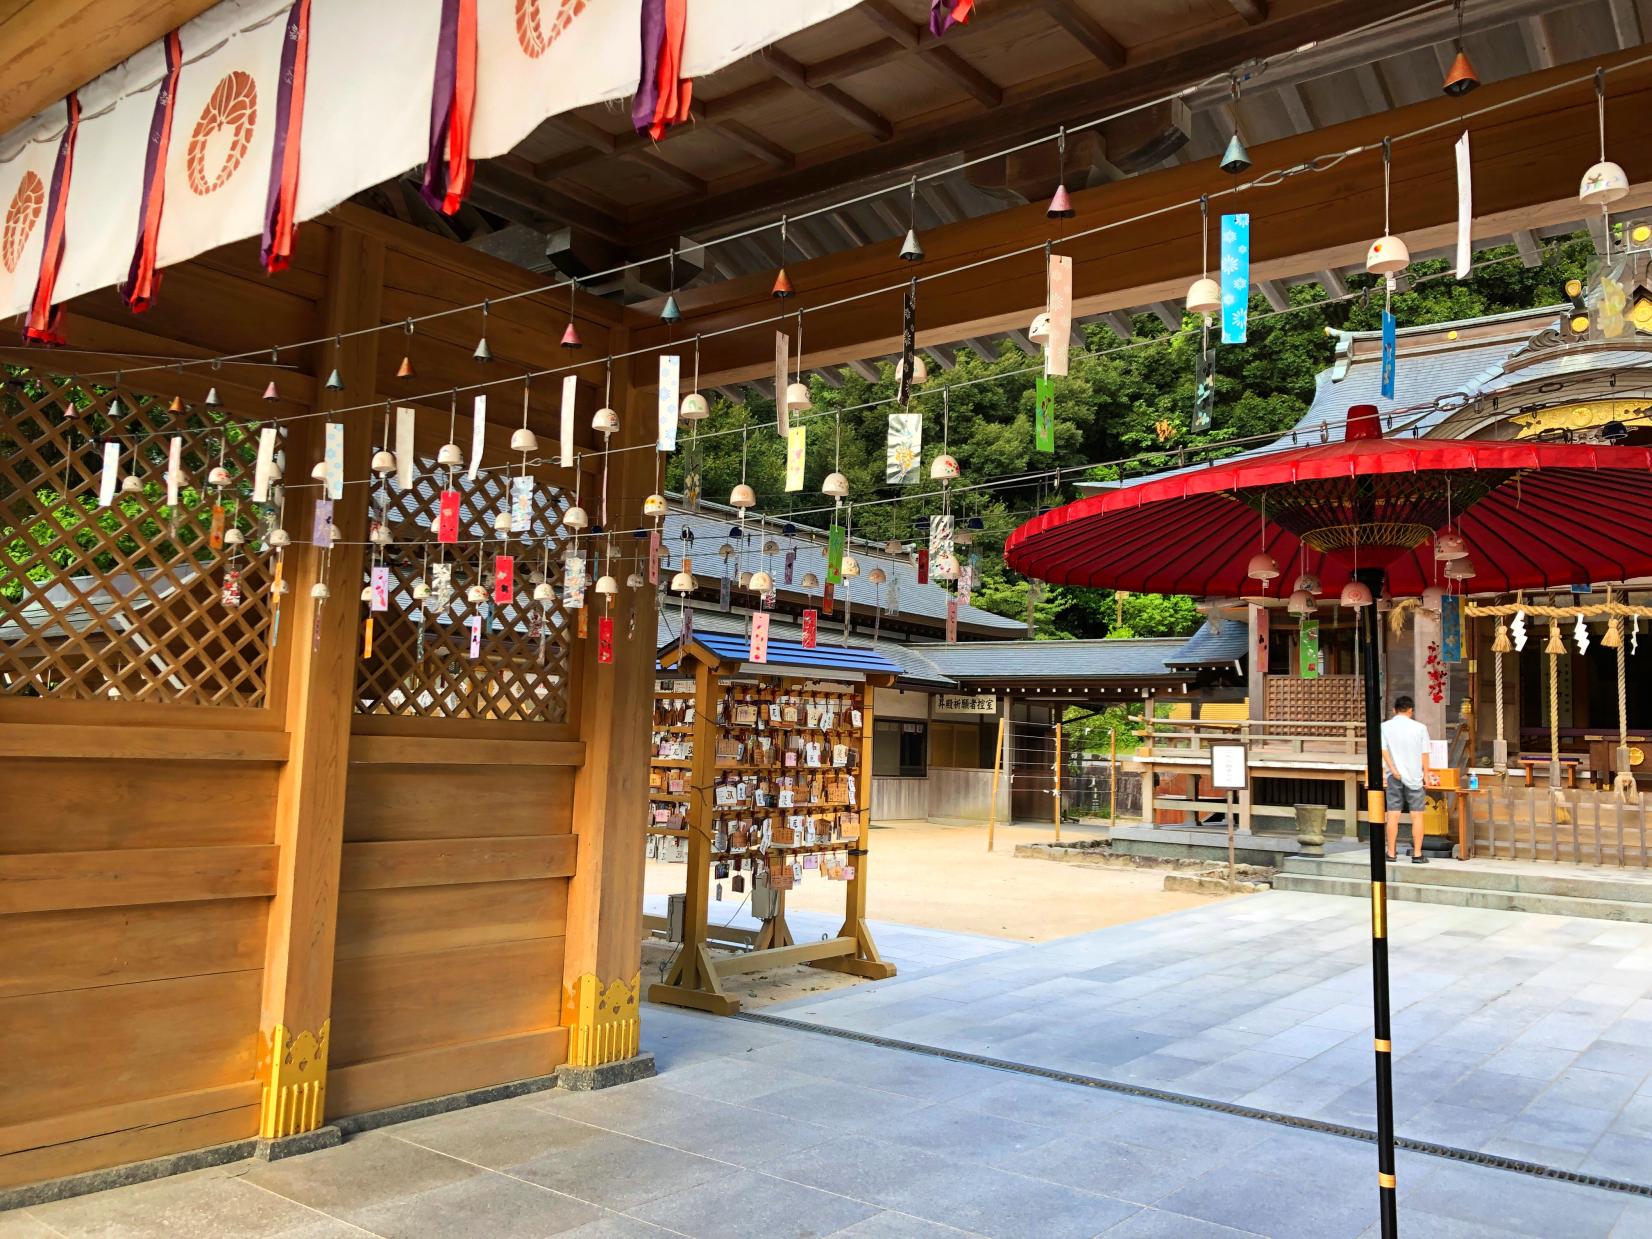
x=1472, y=897
x=1471, y=876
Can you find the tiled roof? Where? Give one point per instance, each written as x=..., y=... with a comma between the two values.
x=1206, y=648
x=914, y=667
x=1140, y=658
x=733, y=647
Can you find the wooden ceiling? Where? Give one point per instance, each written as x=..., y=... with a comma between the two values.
x=42, y=65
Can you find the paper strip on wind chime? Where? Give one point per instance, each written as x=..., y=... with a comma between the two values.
x=570, y=395
x=474, y=623
x=671, y=368
x=404, y=448
x=1061, y=315
x=1043, y=414
x=1465, y=208
x=264, y=470
x=111, y=467
x=952, y=621
x=797, y=456
x=441, y=587
x=725, y=591
x=321, y=532
x=522, y=488
x=835, y=541
x=653, y=556
x=1451, y=629
x=940, y=536
x=478, y=435
x=787, y=567
x=174, y=469
x=904, y=451
x=811, y=627
x=605, y=639
x=1235, y=278
x=333, y=460
x=573, y=581
x=1390, y=355
x=380, y=578
x=759, y=637
x=782, y=362
x=504, y=578
x=447, y=517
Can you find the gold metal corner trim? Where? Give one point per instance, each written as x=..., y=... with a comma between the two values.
x=294, y=1069
x=603, y=1020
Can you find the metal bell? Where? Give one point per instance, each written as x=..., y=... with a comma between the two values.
x=912, y=251
x=1236, y=158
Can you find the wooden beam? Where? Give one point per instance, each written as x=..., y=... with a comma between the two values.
x=1147, y=261
x=1529, y=247
x=1028, y=109
x=1120, y=322
x=950, y=67
x=1253, y=11
x=1088, y=31
x=1169, y=315
x=866, y=119
x=319, y=662
x=754, y=143
x=1275, y=292
x=892, y=22
x=1332, y=282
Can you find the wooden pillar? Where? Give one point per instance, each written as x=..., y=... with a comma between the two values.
x=1256, y=685
x=602, y=968
x=865, y=962
x=318, y=643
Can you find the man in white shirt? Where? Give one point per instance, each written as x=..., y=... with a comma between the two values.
x=1405, y=746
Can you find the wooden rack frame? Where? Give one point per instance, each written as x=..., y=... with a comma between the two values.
x=695, y=978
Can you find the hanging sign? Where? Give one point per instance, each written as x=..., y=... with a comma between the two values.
x=1307, y=650
x=230, y=597
x=332, y=460
x=923, y=566
x=940, y=536
x=111, y=467
x=1451, y=628
x=1061, y=315
x=725, y=591
x=367, y=637
x=380, y=584
x=1043, y=414
x=264, y=470
x=174, y=468
x=447, y=517
x=826, y=597
x=1390, y=354
x=1235, y=278
x=404, y=448
x=478, y=435
x=1465, y=209
x=688, y=624
x=811, y=628
x=1204, y=392
x=653, y=556
x=504, y=578
x=573, y=582
x=605, y=639
x=570, y=391
x=441, y=587
x=474, y=623
x=952, y=621
x=215, y=538
x=1259, y=653
x=759, y=637
x=904, y=449
x=671, y=369
x=782, y=407
x=834, y=558
x=797, y=441
x=966, y=582
x=321, y=532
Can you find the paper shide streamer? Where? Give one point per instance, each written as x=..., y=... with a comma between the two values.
x=143, y=280
x=449, y=171
x=45, y=319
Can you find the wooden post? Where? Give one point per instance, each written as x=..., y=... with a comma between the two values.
x=319, y=659
x=997, y=770
x=1112, y=775
x=1057, y=775
x=602, y=959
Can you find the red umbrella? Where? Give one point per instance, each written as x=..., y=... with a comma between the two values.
x=1533, y=515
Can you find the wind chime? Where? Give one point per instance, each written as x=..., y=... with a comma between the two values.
x=693, y=410
x=848, y=568
x=943, y=560
x=1204, y=298
x=1388, y=257
x=605, y=421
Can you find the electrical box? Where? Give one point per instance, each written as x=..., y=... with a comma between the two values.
x=765, y=900
x=674, y=908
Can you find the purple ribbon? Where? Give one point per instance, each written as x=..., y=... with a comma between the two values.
x=152, y=155
x=434, y=187
x=283, y=120
x=940, y=17
x=648, y=88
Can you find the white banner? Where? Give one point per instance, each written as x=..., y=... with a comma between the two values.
x=223, y=130
x=25, y=184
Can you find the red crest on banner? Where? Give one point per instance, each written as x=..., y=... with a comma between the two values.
x=233, y=106
x=21, y=216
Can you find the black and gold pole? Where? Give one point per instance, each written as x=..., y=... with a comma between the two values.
x=1376, y=817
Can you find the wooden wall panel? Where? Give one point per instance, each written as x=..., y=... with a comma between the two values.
x=408, y=920
x=86, y=1049
x=398, y=1004
x=84, y=947
x=60, y=805
x=410, y=1077
x=447, y=802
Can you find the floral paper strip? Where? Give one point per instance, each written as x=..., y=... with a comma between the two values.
x=1235, y=278
x=478, y=435
x=404, y=448
x=797, y=455
x=671, y=369
x=333, y=460
x=903, y=451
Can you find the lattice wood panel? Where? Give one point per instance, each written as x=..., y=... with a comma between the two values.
x=421, y=664
x=124, y=602
x=1328, y=699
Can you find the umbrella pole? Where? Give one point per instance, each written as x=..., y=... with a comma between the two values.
x=1368, y=631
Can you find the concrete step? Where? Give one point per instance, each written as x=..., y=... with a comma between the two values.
x=1461, y=896
x=1609, y=884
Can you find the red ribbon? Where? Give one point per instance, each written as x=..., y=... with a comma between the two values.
x=143, y=281
x=281, y=205
x=449, y=171
x=663, y=94
x=45, y=319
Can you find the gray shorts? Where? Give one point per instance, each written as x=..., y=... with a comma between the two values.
x=1402, y=799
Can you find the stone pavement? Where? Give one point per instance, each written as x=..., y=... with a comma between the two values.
x=1514, y=1033
x=757, y=1130
x=763, y=1132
